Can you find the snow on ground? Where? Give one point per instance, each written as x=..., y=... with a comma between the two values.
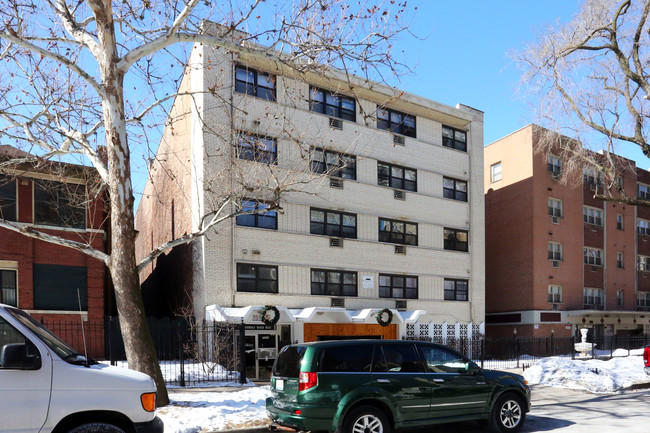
x=195, y=411
x=592, y=375
x=208, y=411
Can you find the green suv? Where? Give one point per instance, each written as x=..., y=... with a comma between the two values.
x=375, y=386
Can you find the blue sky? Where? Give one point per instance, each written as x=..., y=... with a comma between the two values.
x=464, y=58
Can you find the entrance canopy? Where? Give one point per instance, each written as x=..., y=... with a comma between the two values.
x=620, y=319
x=251, y=314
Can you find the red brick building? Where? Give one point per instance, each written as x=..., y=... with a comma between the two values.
x=55, y=284
x=558, y=259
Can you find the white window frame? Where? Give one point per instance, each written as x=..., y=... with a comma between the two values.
x=496, y=172
x=642, y=226
x=554, y=294
x=593, y=294
x=620, y=260
x=643, y=191
x=555, y=208
x=592, y=256
x=554, y=251
x=643, y=299
x=643, y=263
x=592, y=215
x=620, y=299
x=554, y=164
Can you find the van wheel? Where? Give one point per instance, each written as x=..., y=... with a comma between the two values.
x=366, y=419
x=96, y=427
x=508, y=414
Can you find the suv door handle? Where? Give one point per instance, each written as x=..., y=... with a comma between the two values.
x=438, y=380
x=383, y=380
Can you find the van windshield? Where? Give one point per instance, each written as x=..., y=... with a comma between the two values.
x=288, y=362
x=62, y=349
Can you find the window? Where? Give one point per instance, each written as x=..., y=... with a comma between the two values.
x=643, y=227
x=395, y=121
x=619, y=222
x=454, y=138
x=554, y=165
x=8, y=286
x=554, y=251
x=262, y=218
x=591, y=176
x=396, y=176
x=256, y=148
x=440, y=360
x=456, y=240
x=334, y=164
x=554, y=294
x=619, y=182
x=555, y=207
x=592, y=296
x=398, y=232
x=643, y=191
x=592, y=215
x=255, y=83
x=333, y=283
x=397, y=359
x=619, y=298
x=398, y=286
x=456, y=290
x=619, y=260
x=495, y=172
x=7, y=199
x=454, y=189
x=643, y=299
x=340, y=360
x=257, y=278
x=58, y=287
x=331, y=223
x=332, y=104
x=643, y=263
x=59, y=204
x=592, y=256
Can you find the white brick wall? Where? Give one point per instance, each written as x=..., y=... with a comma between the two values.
x=295, y=251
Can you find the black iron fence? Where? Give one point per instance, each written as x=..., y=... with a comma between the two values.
x=211, y=353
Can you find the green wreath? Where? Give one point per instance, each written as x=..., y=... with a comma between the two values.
x=276, y=315
x=380, y=317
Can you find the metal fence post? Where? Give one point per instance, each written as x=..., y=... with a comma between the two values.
x=242, y=353
x=573, y=345
x=182, y=364
x=482, y=352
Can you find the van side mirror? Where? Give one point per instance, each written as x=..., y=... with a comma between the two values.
x=20, y=356
x=473, y=368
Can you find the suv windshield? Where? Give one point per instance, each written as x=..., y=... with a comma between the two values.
x=66, y=352
x=288, y=362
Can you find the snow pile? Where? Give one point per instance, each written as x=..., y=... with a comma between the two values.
x=593, y=375
x=208, y=411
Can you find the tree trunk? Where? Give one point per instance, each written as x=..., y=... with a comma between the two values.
x=140, y=350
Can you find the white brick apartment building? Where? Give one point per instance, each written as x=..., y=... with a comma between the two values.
x=399, y=224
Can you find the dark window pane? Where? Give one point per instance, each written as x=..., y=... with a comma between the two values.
x=61, y=288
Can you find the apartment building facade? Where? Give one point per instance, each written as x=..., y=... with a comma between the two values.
x=386, y=212
x=55, y=284
x=557, y=258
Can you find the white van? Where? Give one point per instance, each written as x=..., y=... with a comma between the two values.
x=45, y=386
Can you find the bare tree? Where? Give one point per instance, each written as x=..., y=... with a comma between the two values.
x=79, y=74
x=593, y=77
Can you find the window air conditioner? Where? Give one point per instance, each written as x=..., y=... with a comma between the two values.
x=336, y=123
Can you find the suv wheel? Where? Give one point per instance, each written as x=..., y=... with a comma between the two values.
x=508, y=414
x=366, y=419
x=96, y=427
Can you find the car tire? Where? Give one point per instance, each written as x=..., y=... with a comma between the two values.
x=96, y=427
x=508, y=414
x=366, y=419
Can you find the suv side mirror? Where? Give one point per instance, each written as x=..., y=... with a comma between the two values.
x=473, y=368
x=15, y=356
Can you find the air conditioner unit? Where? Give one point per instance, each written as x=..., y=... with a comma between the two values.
x=336, y=182
x=556, y=175
x=594, y=269
x=338, y=302
x=555, y=263
x=400, y=304
x=399, y=195
x=336, y=242
x=336, y=123
x=398, y=139
x=555, y=220
x=400, y=249
x=556, y=307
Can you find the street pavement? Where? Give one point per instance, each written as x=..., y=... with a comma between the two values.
x=568, y=411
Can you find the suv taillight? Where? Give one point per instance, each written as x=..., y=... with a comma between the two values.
x=306, y=381
x=646, y=356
